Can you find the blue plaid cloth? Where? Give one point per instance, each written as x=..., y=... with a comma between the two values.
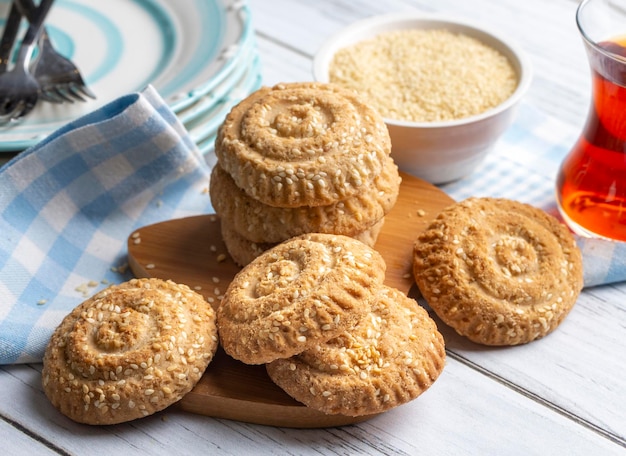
x=68, y=204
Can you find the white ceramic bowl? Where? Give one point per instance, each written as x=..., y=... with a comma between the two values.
x=437, y=152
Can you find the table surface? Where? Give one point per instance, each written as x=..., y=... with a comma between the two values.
x=564, y=394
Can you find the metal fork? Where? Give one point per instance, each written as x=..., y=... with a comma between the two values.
x=11, y=27
x=59, y=79
x=19, y=90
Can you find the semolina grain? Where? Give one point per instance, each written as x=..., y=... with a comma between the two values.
x=425, y=75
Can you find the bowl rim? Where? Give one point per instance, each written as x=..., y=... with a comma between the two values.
x=334, y=42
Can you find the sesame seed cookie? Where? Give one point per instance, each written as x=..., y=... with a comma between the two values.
x=244, y=251
x=259, y=222
x=499, y=272
x=302, y=292
x=302, y=144
x=129, y=351
x=240, y=249
x=392, y=356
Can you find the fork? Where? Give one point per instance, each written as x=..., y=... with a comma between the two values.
x=11, y=27
x=59, y=79
x=19, y=90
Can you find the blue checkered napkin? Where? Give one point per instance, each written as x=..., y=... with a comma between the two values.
x=604, y=261
x=68, y=204
x=523, y=167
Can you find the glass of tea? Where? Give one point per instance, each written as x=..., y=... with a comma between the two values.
x=591, y=183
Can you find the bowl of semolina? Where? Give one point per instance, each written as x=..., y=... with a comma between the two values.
x=447, y=88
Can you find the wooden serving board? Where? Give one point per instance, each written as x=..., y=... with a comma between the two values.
x=190, y=251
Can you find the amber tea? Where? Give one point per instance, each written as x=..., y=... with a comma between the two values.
x=591, y=185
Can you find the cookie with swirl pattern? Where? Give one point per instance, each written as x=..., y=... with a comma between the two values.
x=302, y=144
x=244, y=251
x=129, y=351
x=391, y=357
x=258, y=222
x=498, y=271
x=304, y=291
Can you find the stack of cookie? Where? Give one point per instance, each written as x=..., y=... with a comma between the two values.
x=300, y=158
x=315, y=311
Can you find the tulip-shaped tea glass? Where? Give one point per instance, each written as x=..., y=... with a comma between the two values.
x=591, y=184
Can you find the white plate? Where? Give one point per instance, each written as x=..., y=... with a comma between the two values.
x=190, y=109
x=183, y=48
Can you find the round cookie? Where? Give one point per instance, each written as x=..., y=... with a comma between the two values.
x=244, y=251
x=370, y=236
x=302, y=144
x=499, y=272
x=259, y=222
x=240, y=249
x=302, y=292
x=129, y=351
x=391, y=357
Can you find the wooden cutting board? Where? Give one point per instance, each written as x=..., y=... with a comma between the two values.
x=190, y=251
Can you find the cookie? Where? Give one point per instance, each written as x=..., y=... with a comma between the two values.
x=129, y=351
x=240, y=249
x=302, y=144
x=370, y=236
x=392, y=356
x=302, y=292
x=261, y=223
x=244, y=251
x=499, y=272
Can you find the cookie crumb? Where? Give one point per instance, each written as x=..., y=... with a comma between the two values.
x=121, y=269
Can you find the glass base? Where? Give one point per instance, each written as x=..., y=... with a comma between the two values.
x=578, y=229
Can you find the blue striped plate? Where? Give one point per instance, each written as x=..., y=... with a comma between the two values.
x=184, y=48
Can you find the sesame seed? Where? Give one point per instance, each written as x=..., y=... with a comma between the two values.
x=431, y=58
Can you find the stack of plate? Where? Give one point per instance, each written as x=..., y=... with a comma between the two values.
x=200, y=55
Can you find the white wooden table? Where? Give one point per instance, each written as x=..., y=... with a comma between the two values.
x=565, y=394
